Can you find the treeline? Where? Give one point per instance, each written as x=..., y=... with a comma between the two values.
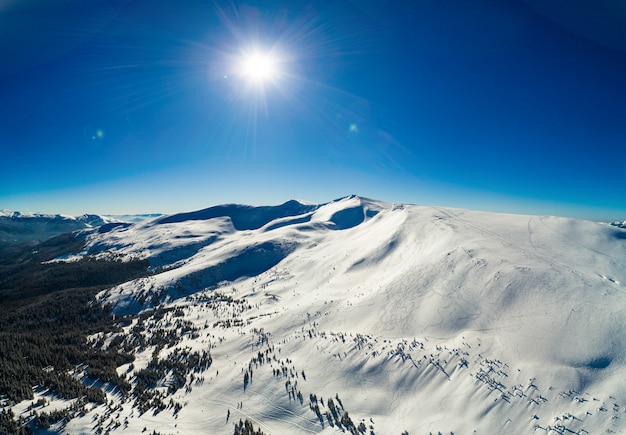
x=33, y=251
x=246, y=428
x=47, y=312
x=176, y=366
x=42, y=342
x=10, y=426
x=29, y=280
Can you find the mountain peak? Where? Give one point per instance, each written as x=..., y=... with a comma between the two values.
x=243, y=217
x=507, y=320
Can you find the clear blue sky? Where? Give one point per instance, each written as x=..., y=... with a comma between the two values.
x=128, y=106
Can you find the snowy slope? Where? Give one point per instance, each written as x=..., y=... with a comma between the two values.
x=408, y=317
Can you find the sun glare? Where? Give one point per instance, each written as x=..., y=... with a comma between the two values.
x=259, y=67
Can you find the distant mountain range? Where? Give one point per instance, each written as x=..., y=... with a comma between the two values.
x=354, y=316
x=18, y=227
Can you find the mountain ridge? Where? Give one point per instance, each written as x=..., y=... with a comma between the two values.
x=412, y=317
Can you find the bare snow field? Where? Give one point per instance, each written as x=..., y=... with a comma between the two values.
x=365, y=317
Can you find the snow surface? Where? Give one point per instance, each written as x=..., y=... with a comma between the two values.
x=417, y=318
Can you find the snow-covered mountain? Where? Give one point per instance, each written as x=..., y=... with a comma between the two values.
x=16, y=227
x=618, y=224
x=366, y=317
x=19, y=227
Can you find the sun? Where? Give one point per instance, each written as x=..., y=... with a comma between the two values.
x=259, y=67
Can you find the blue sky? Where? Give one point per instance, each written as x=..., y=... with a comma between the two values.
x=130, y=106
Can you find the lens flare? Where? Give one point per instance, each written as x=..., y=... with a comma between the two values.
x=259, y=67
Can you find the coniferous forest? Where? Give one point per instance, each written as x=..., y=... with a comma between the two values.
x=47, y=312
